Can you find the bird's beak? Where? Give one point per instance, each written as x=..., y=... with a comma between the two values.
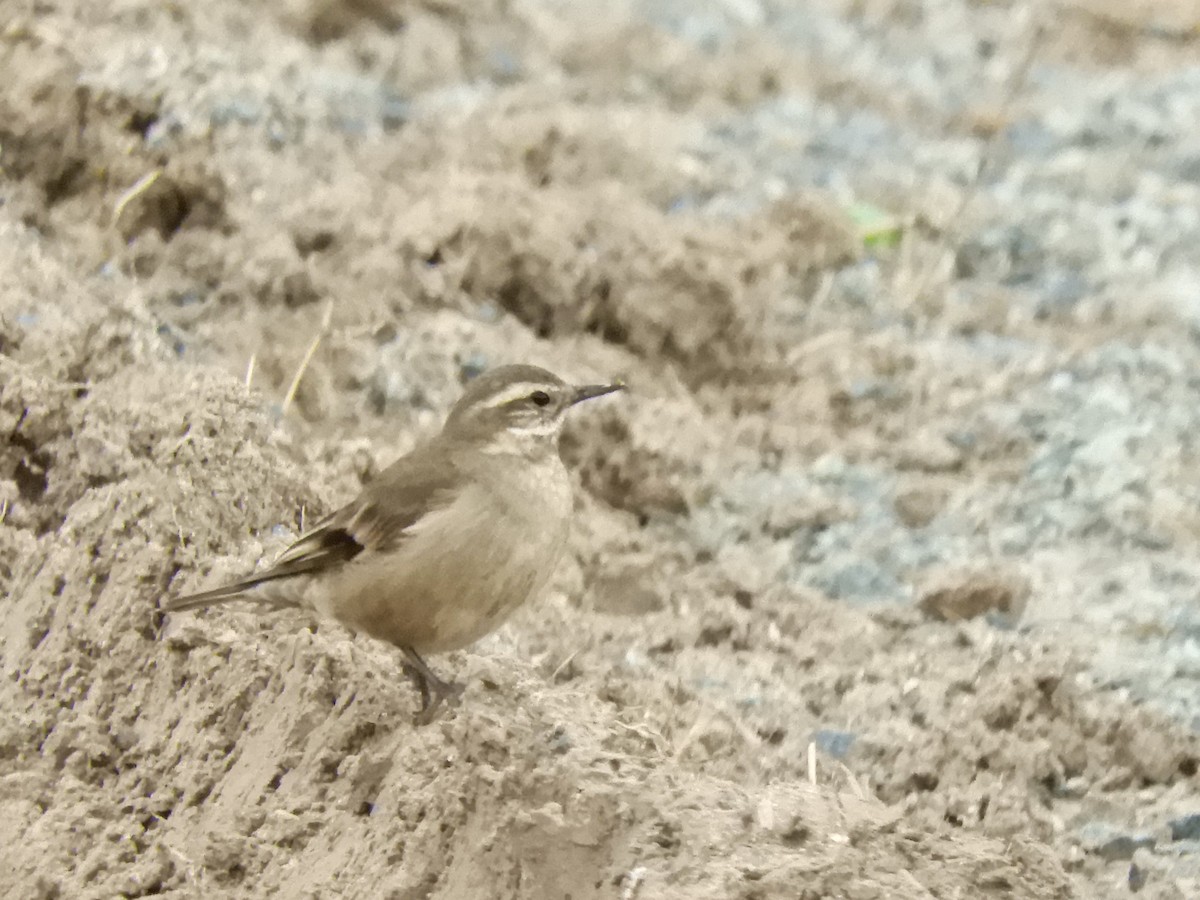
x=588, y=391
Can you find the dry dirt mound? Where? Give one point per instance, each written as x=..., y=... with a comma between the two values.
x=222, y=752
x=729, y=692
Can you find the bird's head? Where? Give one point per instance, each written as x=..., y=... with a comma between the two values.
x=517, y=410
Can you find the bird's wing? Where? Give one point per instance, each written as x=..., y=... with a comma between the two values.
x=374, y=522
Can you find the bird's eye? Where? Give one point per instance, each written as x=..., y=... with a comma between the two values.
x=541, y=398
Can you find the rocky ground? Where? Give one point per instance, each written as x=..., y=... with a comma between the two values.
x=884, y=583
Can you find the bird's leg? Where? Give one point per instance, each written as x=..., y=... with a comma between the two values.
x=434, y=691
x=418, y=681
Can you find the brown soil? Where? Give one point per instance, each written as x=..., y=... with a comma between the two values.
x=186, y=213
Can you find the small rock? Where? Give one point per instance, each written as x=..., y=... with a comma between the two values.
x=929, y=453
x=1137, y=878
x=1185, y=828
x=790, y=515
x=1073, y=788
x=918, y=506
x=1112, y=843
x=165, y=202
x=297, y=289
x=954, y=595
x=309, y=239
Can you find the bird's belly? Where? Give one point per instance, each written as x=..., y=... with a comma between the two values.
x=454, y=579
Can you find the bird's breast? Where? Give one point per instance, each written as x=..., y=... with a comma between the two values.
x=464, y=568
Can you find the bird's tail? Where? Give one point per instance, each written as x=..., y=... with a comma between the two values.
x=240, y=590
x=316, y=551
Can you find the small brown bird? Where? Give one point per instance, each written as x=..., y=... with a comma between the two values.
x=449, y=540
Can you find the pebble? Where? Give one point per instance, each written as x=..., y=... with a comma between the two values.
x=1185, y=828
x=956, y=595
x=1112, y=843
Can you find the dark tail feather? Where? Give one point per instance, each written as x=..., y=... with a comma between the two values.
x=238, y=591
x=320, y=550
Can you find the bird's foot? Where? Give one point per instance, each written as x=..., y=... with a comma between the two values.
x=434, y=690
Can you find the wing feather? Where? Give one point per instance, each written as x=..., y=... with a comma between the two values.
x=375, y=522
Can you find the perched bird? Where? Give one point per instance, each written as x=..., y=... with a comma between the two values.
x=449, y=540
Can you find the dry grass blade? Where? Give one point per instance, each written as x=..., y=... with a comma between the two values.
x=562, y=665
x=854, y=785
x=139, y=187
x=290, y=396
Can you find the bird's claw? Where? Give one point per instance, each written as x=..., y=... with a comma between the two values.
x=434, y=692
